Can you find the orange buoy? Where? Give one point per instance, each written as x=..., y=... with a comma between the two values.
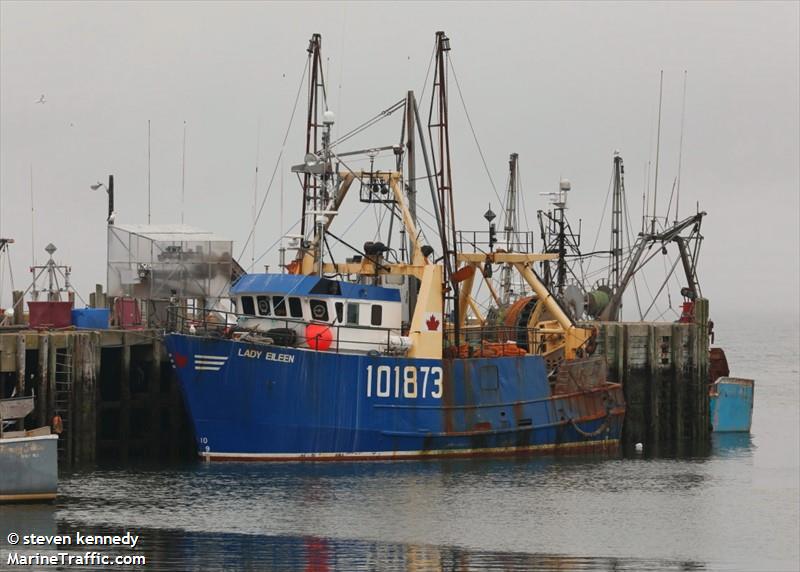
x=319, y=336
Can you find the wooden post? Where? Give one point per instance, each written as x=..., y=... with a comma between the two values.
x=19, y=307
x=21, y=364
x=43, y=381
x=51, y=379
x=125, y=399
x=175, y=412
x=679, y=381
x=154, y=398
x=69, y=422
x=76, y=408
x=702, y=313
x=620, y=352
x=85, y=413
x=99, y=296
x=653, y=387
x=95, y=394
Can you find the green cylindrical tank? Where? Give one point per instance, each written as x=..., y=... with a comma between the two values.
x=596, y=300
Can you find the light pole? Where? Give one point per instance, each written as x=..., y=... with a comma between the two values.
x=110, y=191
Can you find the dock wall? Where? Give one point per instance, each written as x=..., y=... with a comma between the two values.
x=663, y=368
x=113, y=390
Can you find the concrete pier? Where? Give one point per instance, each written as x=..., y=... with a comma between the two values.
x=663, y=368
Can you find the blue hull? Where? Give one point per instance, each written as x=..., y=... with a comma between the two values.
x=731, y=402
x=262, y=402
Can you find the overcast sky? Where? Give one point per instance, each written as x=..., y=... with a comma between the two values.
x=561, y=84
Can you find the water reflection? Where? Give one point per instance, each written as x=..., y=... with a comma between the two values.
x=733, y=445
x=169, y=550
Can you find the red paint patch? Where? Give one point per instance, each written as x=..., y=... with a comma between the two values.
x=181, y=360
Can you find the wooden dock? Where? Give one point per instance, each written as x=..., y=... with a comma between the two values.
x=114, y=391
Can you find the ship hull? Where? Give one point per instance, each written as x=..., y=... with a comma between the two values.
x=262, y=402
x=29, y=468
x=731, y=405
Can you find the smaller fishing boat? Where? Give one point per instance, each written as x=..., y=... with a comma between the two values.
x=28, y=459
x=730, y=398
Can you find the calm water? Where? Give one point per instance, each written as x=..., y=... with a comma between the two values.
x=733, y=506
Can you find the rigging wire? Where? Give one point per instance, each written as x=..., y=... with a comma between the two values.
x=369, y=123
x=661, y=289
x=277, y=162
x=680, y=146
x=427, y=74
x=602, y=218
x=628, y=235
x=472, y=128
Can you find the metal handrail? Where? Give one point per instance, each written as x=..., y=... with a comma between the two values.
x=179, y=321
x=475, y=337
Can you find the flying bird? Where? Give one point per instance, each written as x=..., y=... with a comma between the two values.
x=41, y=99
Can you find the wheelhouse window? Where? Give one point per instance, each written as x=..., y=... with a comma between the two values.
x=376, y=319
x=295, y=308
x=352, y=314
x=279, y=306
x=340, y=312
x=248, y=307
x=319, y=310
x=263, y=305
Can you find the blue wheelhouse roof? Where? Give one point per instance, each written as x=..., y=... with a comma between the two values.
x=298, y=285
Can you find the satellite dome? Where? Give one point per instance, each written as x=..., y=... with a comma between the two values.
x=328, y=118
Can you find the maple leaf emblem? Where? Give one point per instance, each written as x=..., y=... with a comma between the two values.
x=432, y=323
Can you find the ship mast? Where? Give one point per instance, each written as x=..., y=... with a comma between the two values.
x=616, y=222
x=510, y=227
x=317, y=98
x=438, y=130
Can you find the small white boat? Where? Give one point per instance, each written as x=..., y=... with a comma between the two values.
x=28, y=459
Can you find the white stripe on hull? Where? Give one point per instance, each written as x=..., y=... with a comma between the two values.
x=210, y=456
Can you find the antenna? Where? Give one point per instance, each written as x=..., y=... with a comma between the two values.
x=255, y=197
x=282, y=249
x=680, y=147
x=658, y=149
x=183, y=171
x=33, y=240
x=148, y=171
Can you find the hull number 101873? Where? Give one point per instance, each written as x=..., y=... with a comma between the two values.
x=404, y=381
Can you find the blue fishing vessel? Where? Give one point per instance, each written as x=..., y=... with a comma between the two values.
x=387, y=354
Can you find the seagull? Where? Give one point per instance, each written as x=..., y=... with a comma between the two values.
x=41, y=99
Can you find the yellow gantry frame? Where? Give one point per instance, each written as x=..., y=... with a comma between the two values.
x=427, y=342
x=574, y=336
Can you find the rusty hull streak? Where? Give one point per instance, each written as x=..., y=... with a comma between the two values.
x=617, y=411
x=608, y=387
